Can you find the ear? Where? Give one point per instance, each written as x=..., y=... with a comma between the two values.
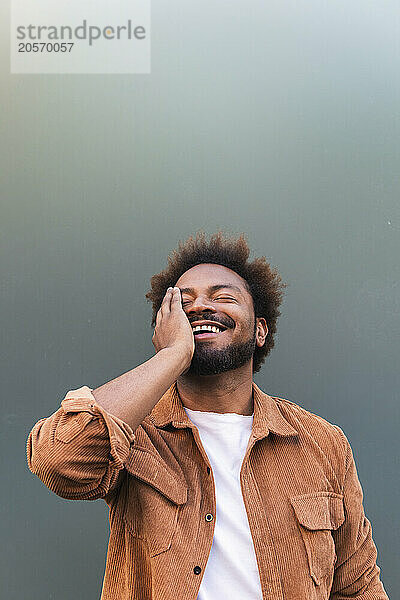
x=261, y=331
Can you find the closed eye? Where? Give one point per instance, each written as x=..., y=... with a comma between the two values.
x=225, y=298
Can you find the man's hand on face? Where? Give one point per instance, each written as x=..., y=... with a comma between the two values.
x=173, y=329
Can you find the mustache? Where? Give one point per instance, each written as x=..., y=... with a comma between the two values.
x=211, y=317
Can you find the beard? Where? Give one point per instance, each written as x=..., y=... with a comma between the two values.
x=211, y=361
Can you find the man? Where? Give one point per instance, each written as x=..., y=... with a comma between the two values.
x=216, y=490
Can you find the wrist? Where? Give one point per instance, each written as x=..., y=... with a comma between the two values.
x=178, y=357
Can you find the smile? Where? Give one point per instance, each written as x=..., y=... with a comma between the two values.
x=207, y=330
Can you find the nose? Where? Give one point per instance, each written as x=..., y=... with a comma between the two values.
x=199, y=304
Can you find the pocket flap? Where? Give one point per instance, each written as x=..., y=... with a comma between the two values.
x=152, y=470
x=320, y=510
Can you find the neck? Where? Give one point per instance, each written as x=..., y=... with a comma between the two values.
x=227, y=392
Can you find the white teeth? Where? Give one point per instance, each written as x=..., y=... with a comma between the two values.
x=211, y=328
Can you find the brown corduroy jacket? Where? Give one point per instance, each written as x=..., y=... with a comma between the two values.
x=299, y=484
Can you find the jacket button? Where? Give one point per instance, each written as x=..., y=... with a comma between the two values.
x=208, y=470
x=209, y=517
x=197, y=570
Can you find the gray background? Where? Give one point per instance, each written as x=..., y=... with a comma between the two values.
x=280, y=120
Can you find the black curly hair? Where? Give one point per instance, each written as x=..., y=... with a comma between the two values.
x=263, y=283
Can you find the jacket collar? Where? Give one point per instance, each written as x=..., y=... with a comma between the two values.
x=267, y=416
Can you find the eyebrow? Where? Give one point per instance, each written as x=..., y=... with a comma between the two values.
x=214, y=288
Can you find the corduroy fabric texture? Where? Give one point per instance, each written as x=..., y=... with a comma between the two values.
x=299, y=484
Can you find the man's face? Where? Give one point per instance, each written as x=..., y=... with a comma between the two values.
x=217, y=296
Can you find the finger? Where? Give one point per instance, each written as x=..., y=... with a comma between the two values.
x=176, y=300
x=165, y=305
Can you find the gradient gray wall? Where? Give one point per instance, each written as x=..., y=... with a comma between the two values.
x=280, y=120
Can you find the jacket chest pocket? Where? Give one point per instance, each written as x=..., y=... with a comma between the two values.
x=154, y=499
x=317, y=515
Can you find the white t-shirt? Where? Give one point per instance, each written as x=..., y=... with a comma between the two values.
x=231, y=571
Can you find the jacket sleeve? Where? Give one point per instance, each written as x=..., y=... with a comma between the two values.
x=356, y=572
x=79, y=451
